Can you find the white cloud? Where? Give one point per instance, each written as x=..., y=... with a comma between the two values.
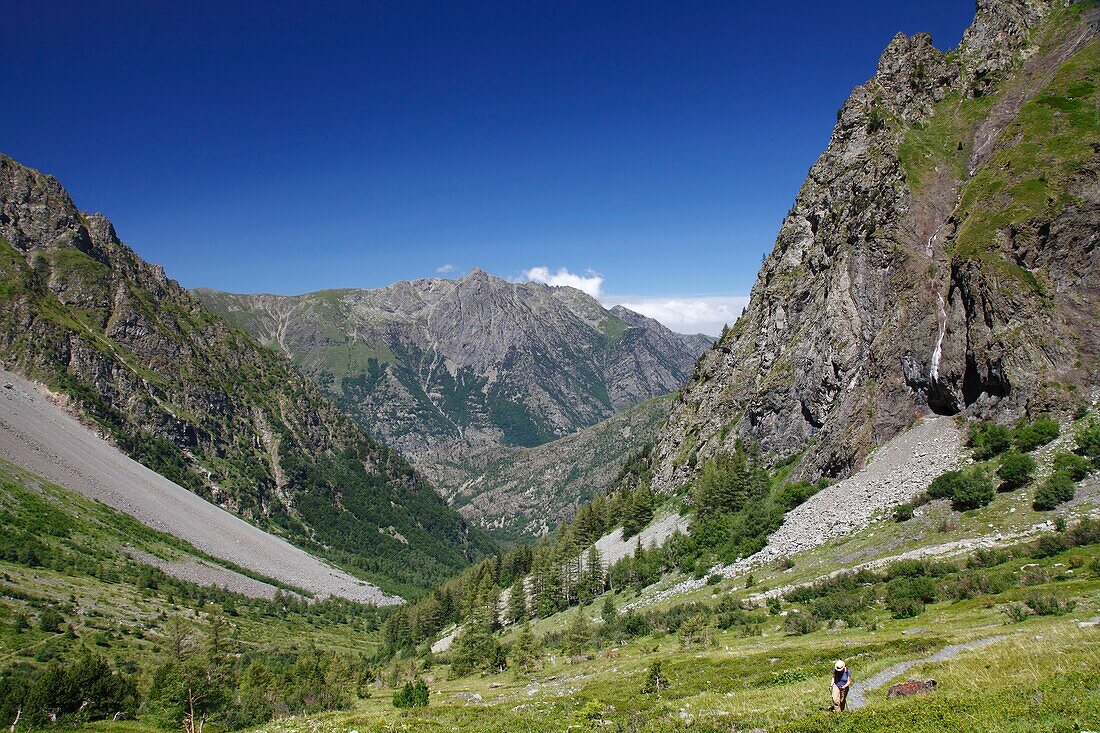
x=704, y=314
x=444, y=269
x=590, y=282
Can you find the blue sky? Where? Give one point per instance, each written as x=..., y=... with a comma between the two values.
x=277, y=147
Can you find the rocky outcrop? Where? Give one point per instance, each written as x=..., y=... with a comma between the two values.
x=910, y=687
x=176, y=388
x=457, y=373
x=904, y=281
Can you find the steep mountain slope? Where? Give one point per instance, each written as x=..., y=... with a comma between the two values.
x=533, y=490
x=37, y=435
x=199, y=402
x=449, y=371
x=940, y=257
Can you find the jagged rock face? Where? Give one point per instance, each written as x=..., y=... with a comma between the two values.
x=915, y=272
x=452, y=372
x=196, y=400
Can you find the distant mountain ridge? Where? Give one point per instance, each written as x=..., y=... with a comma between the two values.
x=201, y=403
x=452, y=372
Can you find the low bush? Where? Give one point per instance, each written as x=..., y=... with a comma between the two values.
x=801, y=623
x=987, y=558
x=411, y=695
x=1085, y=532
x=791, y=495
x=1048, y=604
x=655, y=680
x=988, y=439
x=1057, y=489
x=1029, y=436
x=1016, y=470
x=903, y=512
x=1088, y=441
x=905, y=607
x=966, y=489
x=972, y=585
x=1072, y=465
x=789, y=676
x=1049, y=545
x=1034, y=575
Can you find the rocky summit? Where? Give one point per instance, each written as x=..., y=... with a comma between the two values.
x=941, y=256
x=456, y=372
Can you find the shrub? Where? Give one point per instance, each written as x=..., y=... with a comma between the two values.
x=791, y=495
x=50, y=621
x=1057, y=489
x=988, y=439
x=694, y=632
x=1029, y=436
x=1049, y=545
x=1094, y=566
x=1034, y=575
x=714, y=579
x=903, y=512
x=1016, y=612
x=1016, y=470
x=1072, y=465
x=655, y=680
x=1048, y=604
x=966, y=489
x=905, y=607
x=988, y=558
x=789, y=676
x=801, y=623
x=976, y=490
x=412, y=695
x=971, y=585
x=1085, y=532
x=1088, y=441
x=943, y=486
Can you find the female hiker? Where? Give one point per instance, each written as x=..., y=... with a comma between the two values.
x=842, y=680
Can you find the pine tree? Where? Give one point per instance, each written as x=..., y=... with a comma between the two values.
x=592, y=581
x=638, y=511
x=517, y=601
x=578, y=635
x=527, y=650
x=609, y=613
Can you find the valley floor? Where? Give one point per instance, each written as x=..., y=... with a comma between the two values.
x=1042, y=674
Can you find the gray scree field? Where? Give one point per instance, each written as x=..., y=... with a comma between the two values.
x=37, y=435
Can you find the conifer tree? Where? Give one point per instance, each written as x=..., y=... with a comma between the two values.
x=578, y=635
x=517, y=601
x=527, y=650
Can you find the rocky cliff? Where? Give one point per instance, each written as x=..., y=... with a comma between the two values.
x=455, y=373
x=181, y=391
x=941, y=256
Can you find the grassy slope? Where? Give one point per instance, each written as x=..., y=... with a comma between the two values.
x=1039, y=677
x=114, y=605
